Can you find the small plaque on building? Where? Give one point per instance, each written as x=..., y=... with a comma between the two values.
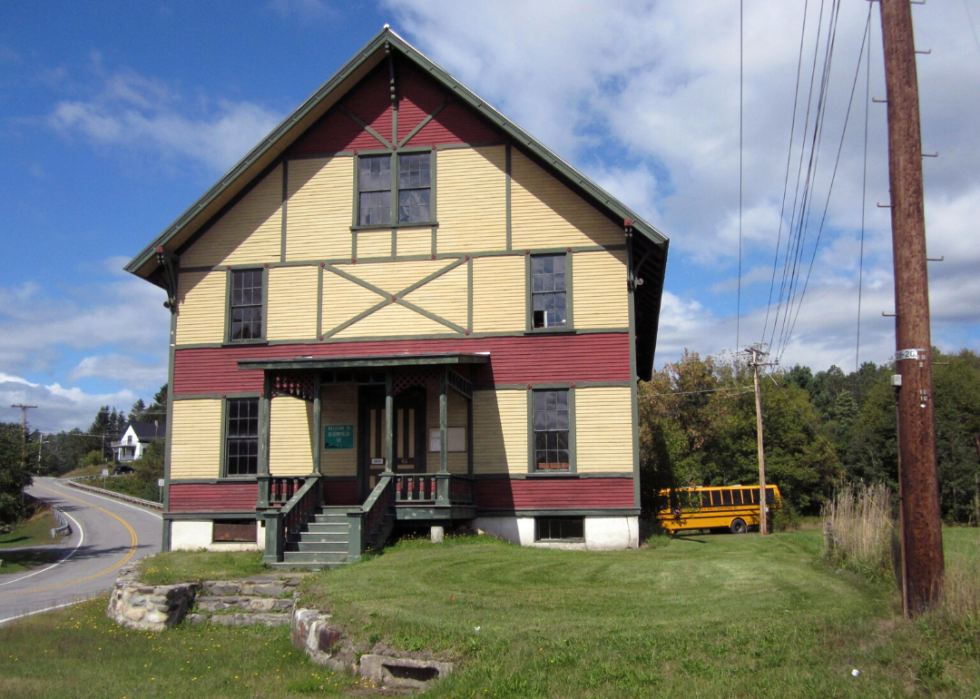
x=338, y=437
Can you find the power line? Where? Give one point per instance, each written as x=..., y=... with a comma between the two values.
x=741, y=110
x=864, y=194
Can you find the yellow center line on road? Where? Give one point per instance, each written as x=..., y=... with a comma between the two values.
x=132, y=549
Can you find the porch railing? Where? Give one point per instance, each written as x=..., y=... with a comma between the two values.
x=297, y=499
x=433, y=488
x=369, y=524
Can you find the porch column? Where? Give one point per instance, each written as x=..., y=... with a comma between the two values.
x=265, y=412
x=389, y=422
x=469, y=435
x=317, y=427
x=443, y=421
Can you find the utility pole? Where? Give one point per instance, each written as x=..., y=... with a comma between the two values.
x=921, y=521
x=23, y=427
x=755, y=363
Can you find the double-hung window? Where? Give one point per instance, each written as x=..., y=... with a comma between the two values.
x=403, y=179
x=551, y=423
x=548, y=284
x=242, y=437
x=246, y=305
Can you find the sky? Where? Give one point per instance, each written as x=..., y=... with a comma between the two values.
x=115, y=117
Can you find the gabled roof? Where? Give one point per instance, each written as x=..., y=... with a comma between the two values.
x=147, y=431
x=329, y=94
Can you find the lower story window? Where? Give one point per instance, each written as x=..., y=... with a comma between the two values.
x=551, y=427
x=242, y=430
x=560, y=529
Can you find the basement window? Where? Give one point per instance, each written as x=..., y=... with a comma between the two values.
x=559, y=529
x=234, y=531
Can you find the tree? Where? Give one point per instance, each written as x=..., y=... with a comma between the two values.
x=14, y=474
x=136, y=412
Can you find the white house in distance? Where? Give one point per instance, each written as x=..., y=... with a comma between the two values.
x=136, y=439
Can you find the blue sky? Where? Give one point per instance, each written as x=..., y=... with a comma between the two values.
x=115, y=117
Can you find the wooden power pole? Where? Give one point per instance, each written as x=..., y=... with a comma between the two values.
x=757, y=353
x=921, y=520
x=23, y=427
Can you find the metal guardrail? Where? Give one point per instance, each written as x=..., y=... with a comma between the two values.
x=63, y=526
x=113, y=494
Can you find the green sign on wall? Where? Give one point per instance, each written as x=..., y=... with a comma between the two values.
x=338, y=437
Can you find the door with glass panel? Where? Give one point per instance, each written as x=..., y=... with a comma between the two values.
x=408, y=435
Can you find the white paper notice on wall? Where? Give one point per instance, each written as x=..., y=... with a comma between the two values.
x=457, y=439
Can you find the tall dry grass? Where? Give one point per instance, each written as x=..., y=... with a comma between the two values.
x=859, y=530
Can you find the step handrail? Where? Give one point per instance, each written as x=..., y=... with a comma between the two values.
x=368, y=526
x=290, y=519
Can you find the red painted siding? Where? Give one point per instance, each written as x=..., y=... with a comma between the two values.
x=417, y=98
x=513, y=360
x=455, y=124
x=333, y=133
x=371, y=102
x=213, y=497
x=340, y=493
x=572, y=494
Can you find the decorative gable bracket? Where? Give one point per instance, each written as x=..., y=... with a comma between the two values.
x=168, y=264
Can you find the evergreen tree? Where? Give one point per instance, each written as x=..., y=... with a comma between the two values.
x=136, y=412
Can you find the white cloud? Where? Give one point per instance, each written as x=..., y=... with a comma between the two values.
x=58, y=408
x=131, y=371
x=135, y=112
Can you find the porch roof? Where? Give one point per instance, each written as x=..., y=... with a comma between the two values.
x=384, y=360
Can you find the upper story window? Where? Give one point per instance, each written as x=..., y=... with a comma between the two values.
x=246, y=304
x=405, y=178
x=548, y=302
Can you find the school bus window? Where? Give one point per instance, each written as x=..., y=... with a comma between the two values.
x=726, y=497
x=770, y=496
x=705, y=498
x=736, y=497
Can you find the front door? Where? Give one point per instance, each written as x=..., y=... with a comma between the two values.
x=408, y=435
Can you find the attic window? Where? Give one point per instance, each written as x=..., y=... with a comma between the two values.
x=383, y=179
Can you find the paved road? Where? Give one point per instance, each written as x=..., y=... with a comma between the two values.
x=106, y=534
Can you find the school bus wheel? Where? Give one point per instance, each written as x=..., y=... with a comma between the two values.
x=738, y=526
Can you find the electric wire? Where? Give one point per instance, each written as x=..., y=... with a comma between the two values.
x=864, y=196
x=789, y=157
x=741, y=110
x=833, y=179
x=976, y=41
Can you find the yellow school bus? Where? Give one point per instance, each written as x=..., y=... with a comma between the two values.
x=732, y=507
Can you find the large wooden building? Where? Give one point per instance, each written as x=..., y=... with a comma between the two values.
x=401, y=308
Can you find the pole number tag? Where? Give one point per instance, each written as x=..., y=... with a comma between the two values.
x=906, y=354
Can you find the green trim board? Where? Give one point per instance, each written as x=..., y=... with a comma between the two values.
x=425, y=256
x=206, y=516
x=537, y=475
x=214, y=396
x=285, y=200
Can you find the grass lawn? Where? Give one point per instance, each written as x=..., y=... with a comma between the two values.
x=36, y=532
x=188, y=566
x=697, y=616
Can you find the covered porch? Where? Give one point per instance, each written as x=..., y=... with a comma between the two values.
x=398, y=463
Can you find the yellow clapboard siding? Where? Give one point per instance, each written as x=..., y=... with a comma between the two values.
x=444, y=296
x=599, y=288
x=472, y=206
x=394, y=319
x=546, y=213
x=342, y=300
x=603, y=429
x=201, y=307
x=318, y=211
x=291, y=303
x=290, y=450
x=251, y=232
x=499, y=432
x=413, y=241
x=498, y=294
x=195, y=448
x=392, y=277
x=338, y=406
x=374, y=243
